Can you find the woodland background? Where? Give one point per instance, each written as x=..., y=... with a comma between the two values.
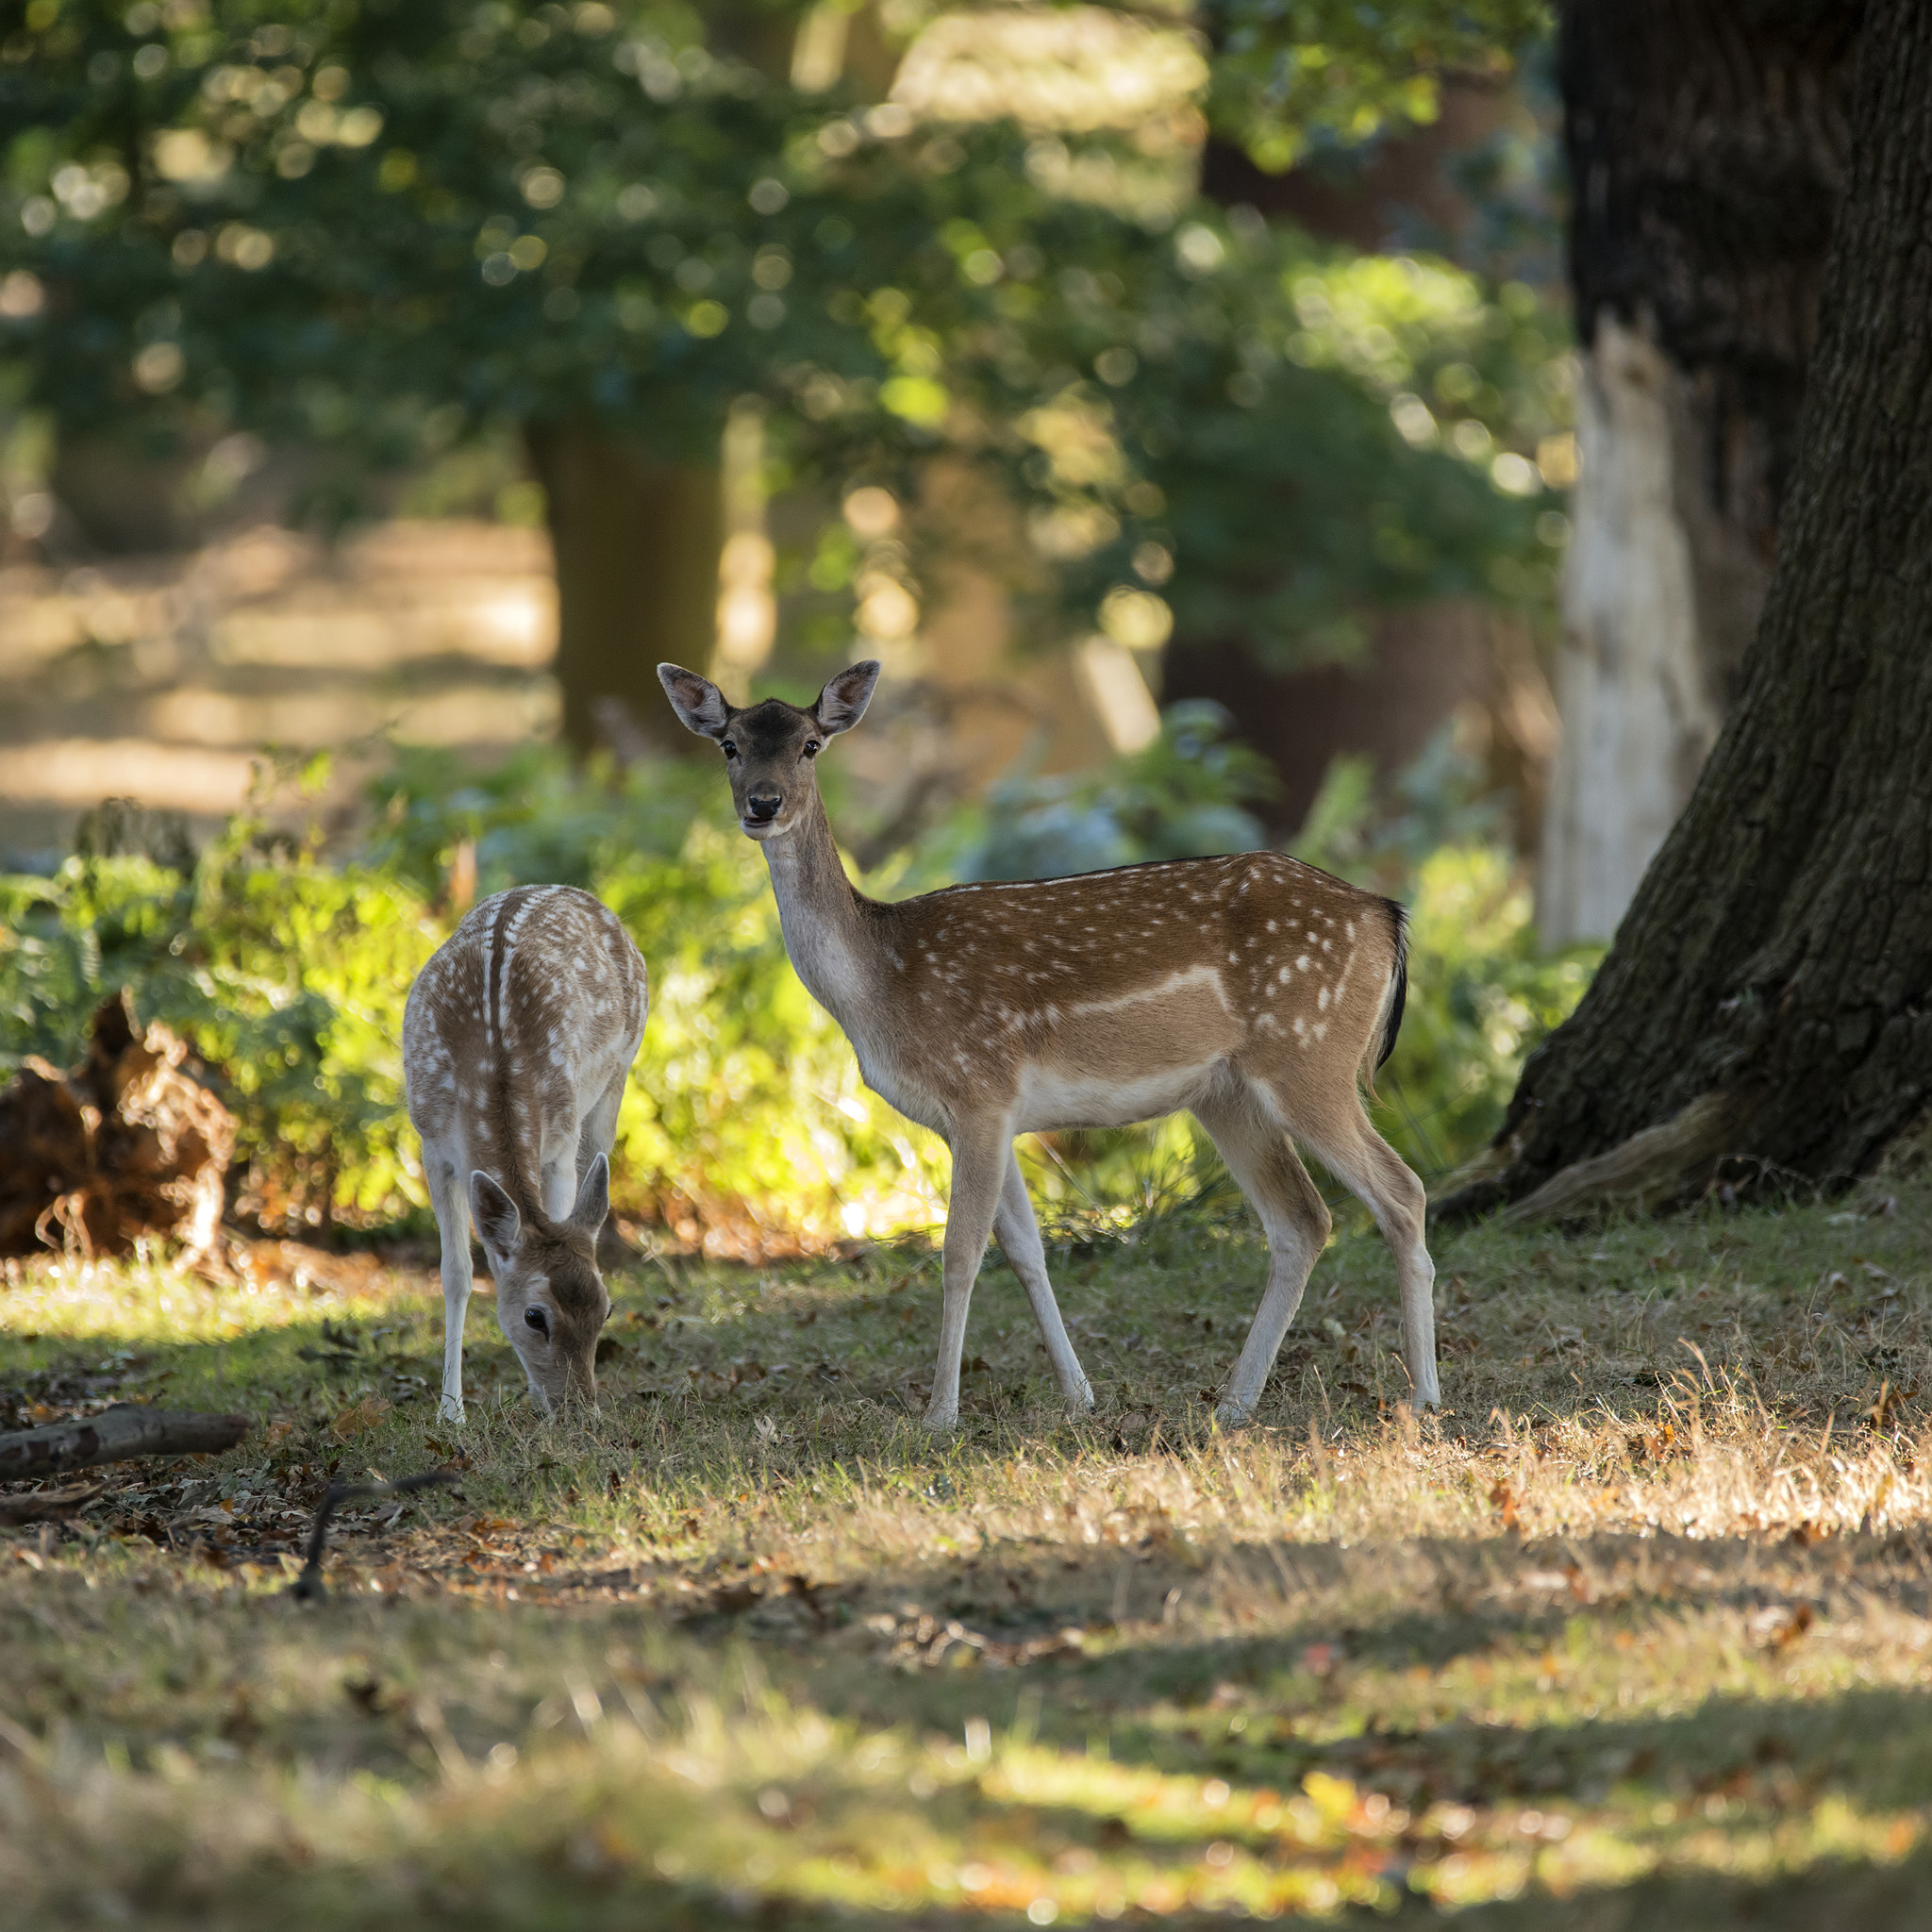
x=385, y=391
x=1182, y=403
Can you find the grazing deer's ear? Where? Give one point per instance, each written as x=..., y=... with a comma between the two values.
x=593, y=1198
x=495, y=1214
x=699, y=704
x=842, y=702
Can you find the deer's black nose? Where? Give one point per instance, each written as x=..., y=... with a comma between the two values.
x=762, y=806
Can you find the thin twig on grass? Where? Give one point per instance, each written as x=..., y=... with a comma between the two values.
x=308, y=1587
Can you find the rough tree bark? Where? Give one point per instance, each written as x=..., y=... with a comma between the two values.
x=1706, y=146
x=637, y=545
x=1767, y=1008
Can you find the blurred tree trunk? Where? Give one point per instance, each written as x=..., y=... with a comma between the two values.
x=1708, y=149
x=637, y=544
x=1767, y=1009
x=638, y=540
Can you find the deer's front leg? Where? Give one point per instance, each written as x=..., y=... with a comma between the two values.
x=979, y=1157
x=449, y=1198
x=1018, y=1234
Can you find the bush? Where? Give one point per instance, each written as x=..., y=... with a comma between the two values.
x=746, y=1123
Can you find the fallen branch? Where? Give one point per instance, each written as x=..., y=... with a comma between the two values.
x=40, y=1505
x=116, y=1434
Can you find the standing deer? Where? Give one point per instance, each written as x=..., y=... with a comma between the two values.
x=1253, y=991
x=517, y=1038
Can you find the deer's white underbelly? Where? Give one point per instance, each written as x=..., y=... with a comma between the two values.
x=1061, y=1097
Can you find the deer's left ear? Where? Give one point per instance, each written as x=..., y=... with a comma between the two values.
x=842, y=702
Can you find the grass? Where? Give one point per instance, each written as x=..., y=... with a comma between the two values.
x=1634, y=1633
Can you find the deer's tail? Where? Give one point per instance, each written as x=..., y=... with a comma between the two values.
x=1389, y=1021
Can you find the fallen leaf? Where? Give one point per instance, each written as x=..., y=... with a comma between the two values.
x=360, y=1416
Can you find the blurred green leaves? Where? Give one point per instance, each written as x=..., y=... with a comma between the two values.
x=375, y=229
x=1291, y=75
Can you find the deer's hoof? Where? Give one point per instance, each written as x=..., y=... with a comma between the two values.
x=450, y=1411
x=939, y=1422
x=1231, y=1415
x=1080, y=1401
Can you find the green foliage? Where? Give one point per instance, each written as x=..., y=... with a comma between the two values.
x=1481, y=993
x=746, y=1116
x=1292, y=75
x=1481, y=990
x=534, y=818
x=1182, y=797
x=385, y=233
x=286, y=974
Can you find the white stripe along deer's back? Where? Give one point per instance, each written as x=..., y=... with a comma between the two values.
x=1253, y=991
x=517, y=1038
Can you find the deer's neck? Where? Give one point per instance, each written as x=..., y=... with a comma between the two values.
x=823, y=917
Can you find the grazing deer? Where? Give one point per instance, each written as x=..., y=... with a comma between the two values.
x=517, y=1038
x=1253, y=991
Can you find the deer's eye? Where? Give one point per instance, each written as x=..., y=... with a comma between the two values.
x=537, y=1319
x=811, y=747
x=730, y=749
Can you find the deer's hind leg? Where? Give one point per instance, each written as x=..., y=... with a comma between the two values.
x=1371, y=1170
x=1019, y=1239
x=1293, y=1216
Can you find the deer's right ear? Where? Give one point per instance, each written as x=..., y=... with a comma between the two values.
x=699, y=704
x=842, y=702
x=495, y=1215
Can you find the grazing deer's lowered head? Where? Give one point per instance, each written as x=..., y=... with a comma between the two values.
x=550, y=1298
x=517, y=1038
x=1252, y=990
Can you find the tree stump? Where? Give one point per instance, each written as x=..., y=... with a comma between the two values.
x=128, y=1144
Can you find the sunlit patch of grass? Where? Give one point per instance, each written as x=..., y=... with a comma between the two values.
x=1641, y=1617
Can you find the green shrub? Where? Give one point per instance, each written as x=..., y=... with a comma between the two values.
x=1481, y=993
x=746, y=1121
x=287, y=976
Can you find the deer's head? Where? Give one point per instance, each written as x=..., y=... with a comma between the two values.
x=550, y=1297
x=769, y=747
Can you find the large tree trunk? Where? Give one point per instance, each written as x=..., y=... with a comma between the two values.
x=1768, y=1003
x=637, y=545
x=1706, y=148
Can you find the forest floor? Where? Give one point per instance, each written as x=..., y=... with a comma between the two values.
x=1634, y=1633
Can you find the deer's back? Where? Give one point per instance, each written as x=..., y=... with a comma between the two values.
x=1142, y=973
x=522, y=1016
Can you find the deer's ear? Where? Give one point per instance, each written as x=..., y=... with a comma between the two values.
x=495, y=1214
x=699, y=704
x=842, y=702
x=593, y=1199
